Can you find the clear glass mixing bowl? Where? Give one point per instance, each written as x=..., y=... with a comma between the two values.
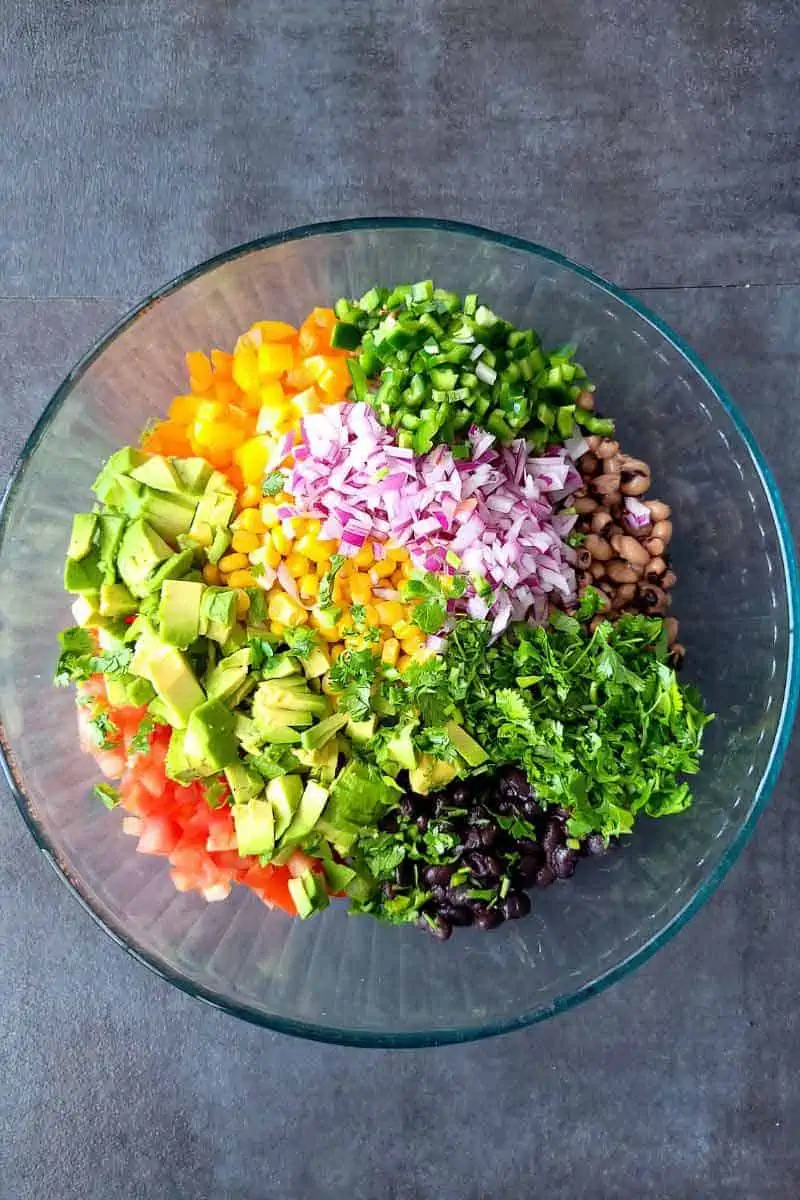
x=346, y=979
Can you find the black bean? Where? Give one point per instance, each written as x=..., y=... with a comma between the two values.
x=515, y=905
x=554, y=835
x=545, y=876
x=404, y=873
x=437, y=876
x=458, y=896
x=437, y=926
x=514, y=782
x=482, y=837
x=456, y=914
x=528, y=868
x=531, y=809
x=422, y=824
x=406, y=804
x=503, y=805
x=459, y=797
x=487, y=918
x=390, y=822
x=476, y=814
x=483, y=866
x=388, y=891
x=563, y=861
x=596, y=844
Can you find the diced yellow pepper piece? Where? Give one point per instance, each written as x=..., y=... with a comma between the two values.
x=274, y=359
x=384, y=568
x=390, y=652
x=276, y=331
x=245, y=368
x=309, y=586
x=389, y=611
x=280, y=540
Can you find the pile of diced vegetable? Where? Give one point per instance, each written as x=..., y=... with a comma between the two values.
x=329, y=607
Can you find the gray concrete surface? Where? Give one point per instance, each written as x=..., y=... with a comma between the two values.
x=658, y=143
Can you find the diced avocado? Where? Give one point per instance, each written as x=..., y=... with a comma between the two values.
x=210, y=742
x=86, y=609
x=120, y=463
x=176, y=567
x=311, y=807
x=219, y=544
x=218, y=613
x=338, y=875
x=281, y=666
x=228, y=675
x=247, y=734
x=176, y=764
x=127, y=496
x=193, y=474
x=235, y=640
x=302, y=901
x=159, y=473
x=280, y=735
x=83, y=575
x=280, y=694
x=269, y=718
x=342, y=839
x=179, y=612
x=140, y=552
x=284, y=794
x=322, y=762
x=116, y=601
x=244, y=689
x=159, y=711
x=401, y=747
x=472, y=753
x=116, y=691
x=245, y=785
x=82, y=537
x=140, y=691
x=316, y=663
x=171, y=676
x=361, y=732
x=316, y=737
x=255, y=827
x=430, y=774
x=309, y=894
x=112, y=529
x=361, y=887
x=215, y=506
x=170, y=515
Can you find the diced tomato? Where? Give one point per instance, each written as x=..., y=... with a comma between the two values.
x=160, y=835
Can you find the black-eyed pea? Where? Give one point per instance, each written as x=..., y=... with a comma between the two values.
x=598, y=570
x=671, y=630
x=659, y=510
x=598, y=547
x=600, y=521
x=607, y=449
x=606, y=486
x=663, y=530
x=655, y=568
x=585, y=505
x=585, y=401
x=669, y=580
x=632, y=551
x=655, y=546
x=622, y=572
x=635, y=478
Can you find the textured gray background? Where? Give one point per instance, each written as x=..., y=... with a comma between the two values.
x=656, y=142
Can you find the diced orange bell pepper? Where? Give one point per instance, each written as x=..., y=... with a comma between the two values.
x=276, y=331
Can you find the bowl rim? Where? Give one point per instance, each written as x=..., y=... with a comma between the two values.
x=421, y=1038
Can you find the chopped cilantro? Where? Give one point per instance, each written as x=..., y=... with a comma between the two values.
x=301, y=641
x=429, y=615
x=216, y=792
x=140, y=742
x=592, y=602
x=327, y=581
x=105, y=733
x=107, y=794
x=274, y=483
x=75, y=659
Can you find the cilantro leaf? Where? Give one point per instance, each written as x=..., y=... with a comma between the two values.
x=326, y=583
x=104, y=732
x=273, y=762
x=429, y=615
x=75, y=658
x=107, y=794
x=274, y=483
x=140, y=742
x=113, y=662
x=301, y=641
x=592, y=602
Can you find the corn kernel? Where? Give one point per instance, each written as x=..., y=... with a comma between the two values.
x=309, y=586
x=245, y=542
x=383, y=569
x=211, y=573
x=407, y=568
x=312, y=526
x=390, y=652
x=210, y=410
x=250, y=497
x=233, y=562
x=273, y=557
x=269, y=514
x=315, y=550
x=280, y=541
x=286, y=609
x=364, y=557
x=242, y=604
x=241, y=579
x=298, y=565
x=360, y=589
x=389, y=611
x=250, y=520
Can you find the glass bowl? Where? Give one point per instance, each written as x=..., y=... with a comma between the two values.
x=346, y=979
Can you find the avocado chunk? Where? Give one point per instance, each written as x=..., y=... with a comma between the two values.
x=170, y=674
x=316, y=737
x=176, y=764
x=309, y=894
x=140, y=552
x=342, y=839
x=175, y=567
x=471, y=751
x=401, y=748
x=120, y=463
x=81, y=539
x=361, y=732
x=219, y=544
x=210, y=742
x=228, y=675
x=218, y=613
x=284, y=794
x=179, y=612
x=214, y=509
x=247, y=734
x=337, y=875
x=236, y=639
x=280, y=666
x=431, y=774
x=255, y=827
x=322, y=762
x=86, y=609
x=159, y=473
x=83, y=575
x=311, y=807
x=245, y=785
x=276, y=693
x=316, y=663
x=193, y=474
x=170, y=515
x=116, y=601
x=269, y=719
x=112, y=528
